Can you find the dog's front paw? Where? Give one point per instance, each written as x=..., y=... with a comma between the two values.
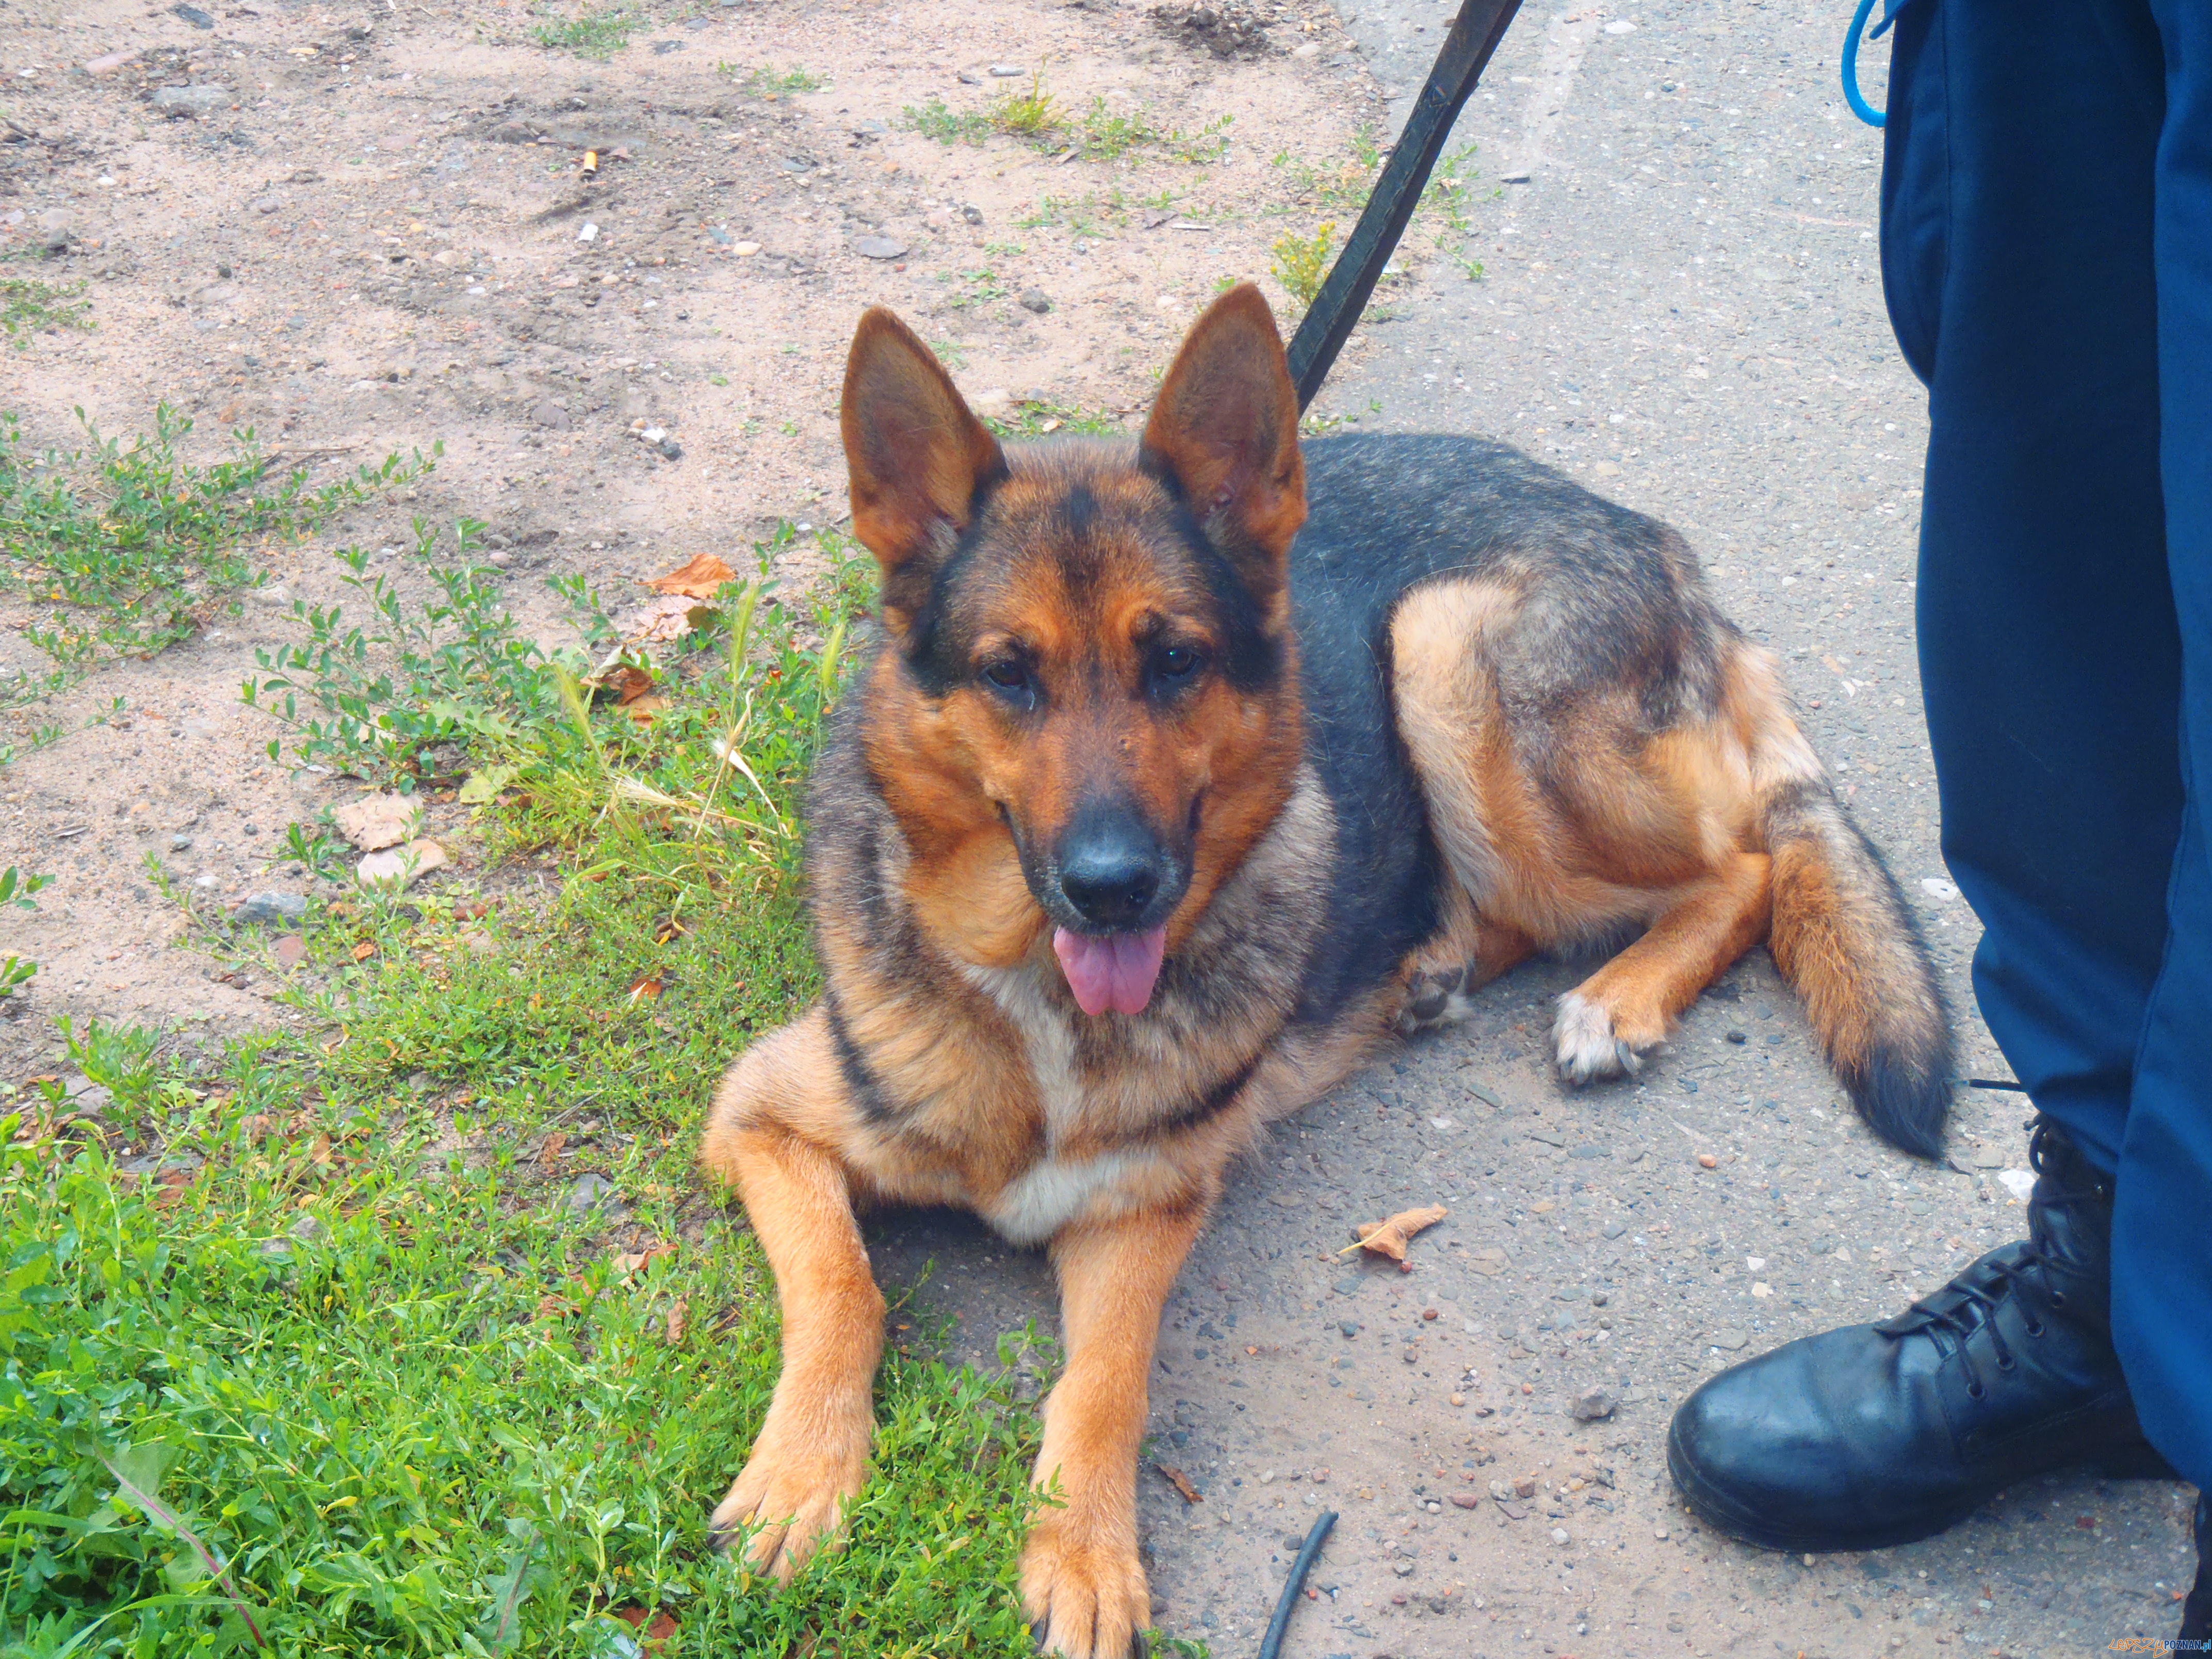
x=1085, y=1599
x=791, y=1498
x=1591, y=1043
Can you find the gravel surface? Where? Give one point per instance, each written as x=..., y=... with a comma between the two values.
x=1682, y=309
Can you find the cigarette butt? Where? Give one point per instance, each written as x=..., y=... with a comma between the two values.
x=591, y=162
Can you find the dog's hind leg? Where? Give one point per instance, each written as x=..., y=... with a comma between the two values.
x=811, y=1457
x=1467, y=953
x=1607, y=1023
x=1082, y=1585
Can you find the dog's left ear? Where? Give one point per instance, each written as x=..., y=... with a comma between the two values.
x=919, y=460
x=1225, y=429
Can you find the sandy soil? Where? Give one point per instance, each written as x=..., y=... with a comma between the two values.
x=378, y=236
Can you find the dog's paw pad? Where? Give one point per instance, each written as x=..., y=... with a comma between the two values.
x=1589, y=1046
x=780, y=1512
x=1434, y=997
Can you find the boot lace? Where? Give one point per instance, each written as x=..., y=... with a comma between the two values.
x=1951, y=1316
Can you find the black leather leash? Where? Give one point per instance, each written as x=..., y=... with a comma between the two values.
x=1474, y=36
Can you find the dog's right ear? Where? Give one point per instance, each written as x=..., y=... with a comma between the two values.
x=920, y=460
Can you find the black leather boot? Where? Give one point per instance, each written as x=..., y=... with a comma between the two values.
x=1877, y=1434
x=2196, y=1610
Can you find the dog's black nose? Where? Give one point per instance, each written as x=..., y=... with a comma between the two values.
x=1110, y=868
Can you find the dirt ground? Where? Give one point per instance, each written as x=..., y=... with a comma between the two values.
x=378, y=236
x=377, y=243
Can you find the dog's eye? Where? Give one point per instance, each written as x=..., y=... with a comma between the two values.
x=1177, y=662
x=1007, y=675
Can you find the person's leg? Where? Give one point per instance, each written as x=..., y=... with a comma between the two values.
x=2018, y=212
x=2161, y=1245
x=2017, y=254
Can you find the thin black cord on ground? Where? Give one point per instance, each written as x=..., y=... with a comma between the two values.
x=1271, y=1645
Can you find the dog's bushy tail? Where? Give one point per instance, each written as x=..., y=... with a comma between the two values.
x=1844, y=937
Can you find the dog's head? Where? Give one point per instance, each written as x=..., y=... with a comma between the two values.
x=1089, y=709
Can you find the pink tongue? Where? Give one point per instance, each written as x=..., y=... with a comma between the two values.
x=1117, y=972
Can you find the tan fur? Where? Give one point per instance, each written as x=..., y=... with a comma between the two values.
x=947, y=1063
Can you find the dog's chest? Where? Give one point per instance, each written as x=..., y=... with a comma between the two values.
x=1075, y=1177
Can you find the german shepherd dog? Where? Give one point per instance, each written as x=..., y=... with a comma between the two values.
x=1166, y=797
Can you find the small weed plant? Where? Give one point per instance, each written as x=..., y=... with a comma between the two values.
x=134, y=545
x=1302, y=262
x=768, y=80
x=29, y=307
x=597, y=35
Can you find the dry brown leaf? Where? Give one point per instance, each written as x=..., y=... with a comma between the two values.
x=629, y=1261
x=550, y=1306
x=701, y=579
x=1181, y=1482
x=658, y=621
x=642, y=710
x=645, y=989
x=677, y=1316
x=549, y=1153
x=667, y=929
x=1389, y=1237
x=653, y=1629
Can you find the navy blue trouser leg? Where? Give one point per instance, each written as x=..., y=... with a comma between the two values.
x=2047, y=252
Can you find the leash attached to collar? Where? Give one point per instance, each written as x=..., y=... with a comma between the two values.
x=1336, y=311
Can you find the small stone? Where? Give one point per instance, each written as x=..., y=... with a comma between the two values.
x=552, y=418
x=401, y=867
x=1707, y=1161
x=594, y=1192
x=1729, y=1340
x=1600, y=1298
x=1458, y=1398
x=972, y=214
x=1558, y=1534
x=1524, y=1485
x=291, y=950
x=268, y=203
x=997, y=400
x=1620, y=26
x=272, y=906
x=1465, y=1500
x=1428, y=1313
x=180, y=843
x=1659, y=1533
x=744, y=249
x=1034, y=298
x=1349, y=1330
x=56, y=226
x=1593, y=1404
x=308, y=1230
x=108, y=61
x=1403, y=1569
x=878, y=248
x=376, y=821
x=277, y=596
x=588, y=233
x=194, y=16
x=191, y=101
x=669, y=449
x=1308, y=49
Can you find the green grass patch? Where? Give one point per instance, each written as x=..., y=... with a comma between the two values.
x=132, y=546
x=1044, y=420
x=29, y=307
x=417, y=1332
x=591, y=33
x=932, y=119
x=768, y=80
